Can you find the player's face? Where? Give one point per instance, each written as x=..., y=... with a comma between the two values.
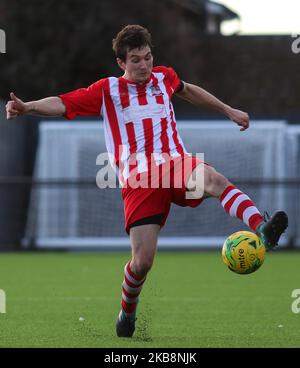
x=138, y=65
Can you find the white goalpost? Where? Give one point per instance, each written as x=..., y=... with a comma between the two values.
x=70, y=216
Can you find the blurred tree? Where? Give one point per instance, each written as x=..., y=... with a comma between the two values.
x=57, y=46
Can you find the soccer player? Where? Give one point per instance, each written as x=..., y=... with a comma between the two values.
x=140, y=128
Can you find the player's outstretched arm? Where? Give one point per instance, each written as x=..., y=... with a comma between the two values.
x=50, y=106
x=199, y=97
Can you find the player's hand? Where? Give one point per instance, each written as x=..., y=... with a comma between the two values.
x=241, y=118
x=14, y=107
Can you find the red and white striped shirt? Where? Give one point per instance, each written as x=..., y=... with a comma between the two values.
x=139, y=119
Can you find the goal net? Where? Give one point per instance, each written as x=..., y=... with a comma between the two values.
x=68, y=210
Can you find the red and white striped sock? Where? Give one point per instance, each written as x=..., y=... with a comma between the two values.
x=131, y=288
x=237, y=204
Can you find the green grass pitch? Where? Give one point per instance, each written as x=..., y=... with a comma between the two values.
x=189, y=300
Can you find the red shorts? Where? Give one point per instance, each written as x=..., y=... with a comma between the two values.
x=145, y=202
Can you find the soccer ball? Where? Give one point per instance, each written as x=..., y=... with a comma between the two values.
x=243, y=252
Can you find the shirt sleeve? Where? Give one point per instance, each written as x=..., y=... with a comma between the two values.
x=83, y=101
x=174, y=80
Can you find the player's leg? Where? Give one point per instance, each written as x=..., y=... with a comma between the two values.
x=238, y=204
x=143, y=240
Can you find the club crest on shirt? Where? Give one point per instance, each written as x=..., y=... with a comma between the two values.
x=156, y=91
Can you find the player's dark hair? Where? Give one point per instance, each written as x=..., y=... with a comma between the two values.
x=131, y=37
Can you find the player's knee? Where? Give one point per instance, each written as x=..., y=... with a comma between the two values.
x=142, y=265
x=215, y=183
